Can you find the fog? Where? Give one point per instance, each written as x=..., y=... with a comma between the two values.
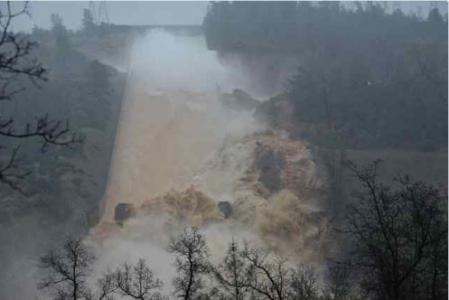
x=117, y=12
x=171, y=119
x=309, y=138
x=174, y=135
x=149, y=12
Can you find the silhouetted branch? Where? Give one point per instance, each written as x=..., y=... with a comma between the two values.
x=15, y=52
x=7, y=174
x=270, y=276
x=67, y=271
x=137, y=282
x=15, y=60
x=53, y=132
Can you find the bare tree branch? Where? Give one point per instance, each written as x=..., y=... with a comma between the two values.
x=16, y=60
x=137, y=282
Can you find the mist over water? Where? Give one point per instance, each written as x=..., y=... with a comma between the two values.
x=179, y=152
x=171, y=129
x=171, y=119
x=264, y=126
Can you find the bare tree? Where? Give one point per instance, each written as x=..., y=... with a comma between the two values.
x=16, y=61
x=303, y=284
x=191, y=263
x=395, y=232
x=137, y=282
x=68, y=275
x=338, y=285
x=106, y=286
x=67, y=271
x=268, y=275
x=253, y=273
x=15, y=53
x=232, y=275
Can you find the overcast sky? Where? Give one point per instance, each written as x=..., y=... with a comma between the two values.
x=119, y=12
x=147, y=13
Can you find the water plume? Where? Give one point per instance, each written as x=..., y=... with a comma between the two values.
x=179, y=153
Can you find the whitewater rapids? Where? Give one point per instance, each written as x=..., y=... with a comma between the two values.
x=179, y=152
x=171, y=120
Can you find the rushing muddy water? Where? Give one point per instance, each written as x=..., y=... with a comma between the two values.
x=171, y=120
x=179, y=152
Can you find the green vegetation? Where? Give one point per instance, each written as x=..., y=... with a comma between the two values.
x=368, y=84
x=55, y=151
x=365, y=78
x=84, y=94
